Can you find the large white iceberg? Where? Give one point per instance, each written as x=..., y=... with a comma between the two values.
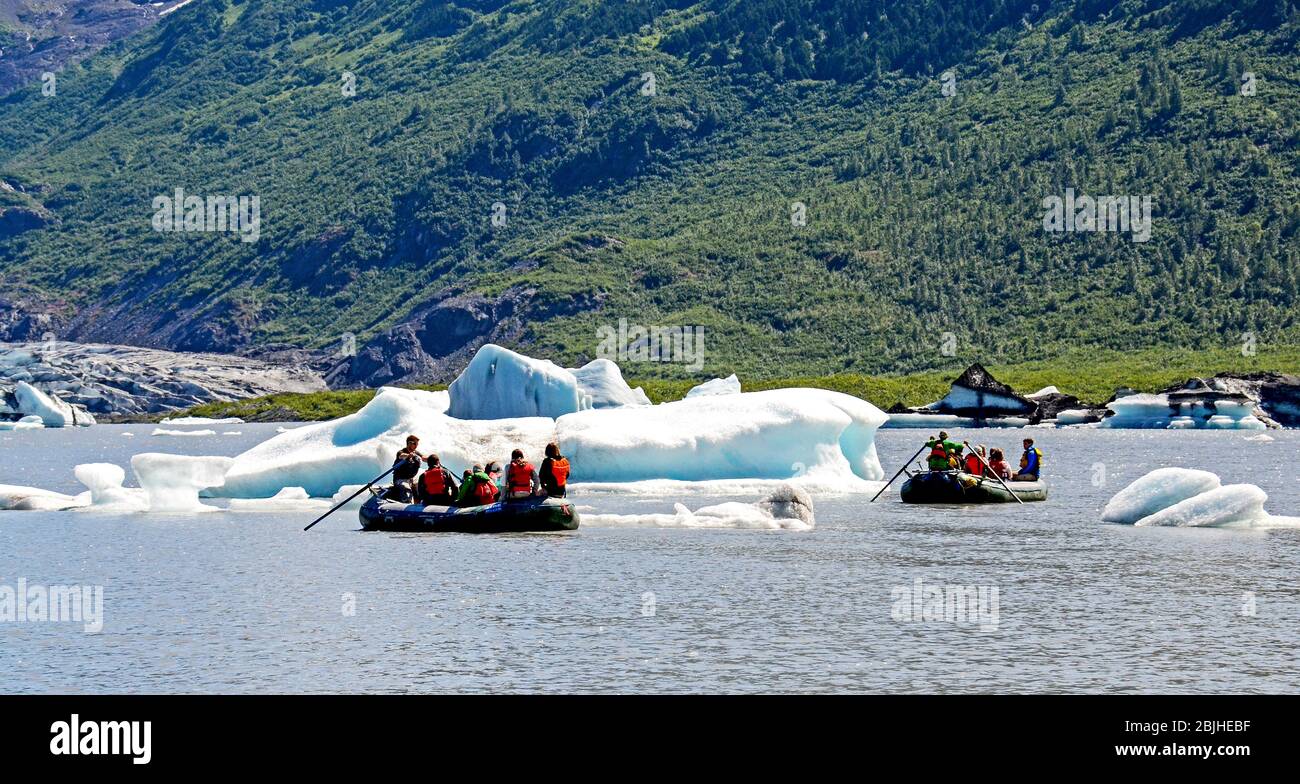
x=819, y=437
x=602, y=382
x=1157, y=490
x=500, y=384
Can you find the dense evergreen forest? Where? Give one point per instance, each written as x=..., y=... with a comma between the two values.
x=824, y=186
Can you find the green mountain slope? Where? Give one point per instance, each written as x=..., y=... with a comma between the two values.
x=787, y=174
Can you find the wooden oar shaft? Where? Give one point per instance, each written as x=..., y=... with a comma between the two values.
x=349, y=498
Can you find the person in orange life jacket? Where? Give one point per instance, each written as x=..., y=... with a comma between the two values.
x=974, y=464
x=405, y=467
x=521, y=477
x=436, y=486
x=998, y=462
x=554, y=475
x=1031, y=463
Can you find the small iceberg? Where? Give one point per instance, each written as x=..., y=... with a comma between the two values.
x=790, y=508
x=1187, y=498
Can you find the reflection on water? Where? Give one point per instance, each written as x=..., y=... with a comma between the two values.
x=247, y=602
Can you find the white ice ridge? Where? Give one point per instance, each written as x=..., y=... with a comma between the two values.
x=820, y=437
x=1188, y=498
x=26, y=423
x=290, y=499
x=500, y=384
x=789, y=508
x=173, y=482
x=162, y=431
x=718, y=386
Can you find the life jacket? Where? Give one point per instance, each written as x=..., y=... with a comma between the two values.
x=938, y=452
x=973, y=464
x=559, y=471
x=435, y=482
x=519, y=477
x=484, y=491
x=1033, y=460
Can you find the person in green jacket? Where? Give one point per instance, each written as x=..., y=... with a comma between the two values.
x=469, y=494
x=944, y=454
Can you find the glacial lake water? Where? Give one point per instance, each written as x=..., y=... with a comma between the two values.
x=248, y=602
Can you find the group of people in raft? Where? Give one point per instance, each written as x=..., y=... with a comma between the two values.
x=946, y=455
x=478, y=486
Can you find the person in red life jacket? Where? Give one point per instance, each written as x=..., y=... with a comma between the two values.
x=974, y=462
x=998, y=463
x=521, y=477
x=437, y=487
x=405, y=467
x=554, y=475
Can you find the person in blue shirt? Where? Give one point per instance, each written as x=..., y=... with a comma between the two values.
x=1031, y=463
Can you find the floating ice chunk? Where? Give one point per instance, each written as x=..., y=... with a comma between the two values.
x=34, y=499
x=191, y=420
x=1073, y=416
x=1159, y=489
x=1262, y=437
x=789, y=508
x=324, y=456
x=104, y=480
x=601, y=380
x=289, y=499
x=776, y=434
x=1139, y=411
x=162, y=431
x=345, y=492
x=935, y=421
x=1159, y=411
x=1045, y=391
x=1229, y=505
x=500, y=384
x=718, y=386
x=26, y=423
x=173, y=482
x=52, y=411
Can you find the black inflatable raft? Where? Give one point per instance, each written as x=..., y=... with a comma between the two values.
x=529, y=514
x=958, y=487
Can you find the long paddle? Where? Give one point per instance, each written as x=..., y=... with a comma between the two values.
x=994, y=473
x=900, y=471
x=354, y=495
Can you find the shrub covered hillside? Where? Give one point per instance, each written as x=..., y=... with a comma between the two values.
x=822, y=186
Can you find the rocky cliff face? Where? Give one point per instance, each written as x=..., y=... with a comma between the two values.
x=40, y=36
